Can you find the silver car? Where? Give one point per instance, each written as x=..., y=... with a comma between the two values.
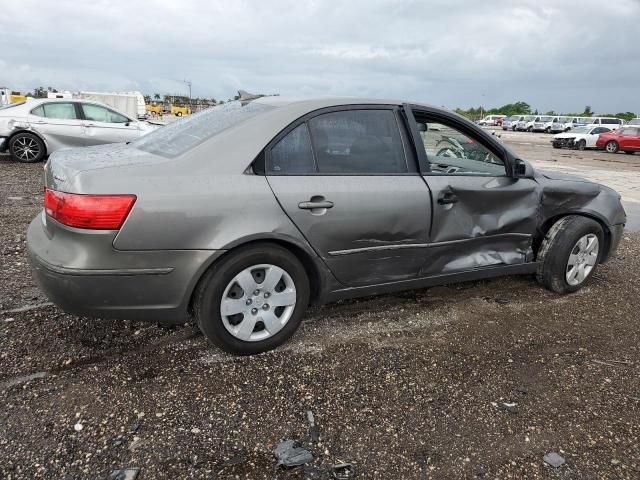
x=31, y=130
x=244, y=214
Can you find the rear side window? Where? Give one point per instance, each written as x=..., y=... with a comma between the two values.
x=292, y=155
x=610, y=121
x=182, y=135
x=358, y=142
x=60, y=111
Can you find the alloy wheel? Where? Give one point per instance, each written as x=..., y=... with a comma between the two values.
x=26, y=148
x=611, y=147
x=258, y=302
x=582, y=259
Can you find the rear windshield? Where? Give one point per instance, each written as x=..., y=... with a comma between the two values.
x=187, y=133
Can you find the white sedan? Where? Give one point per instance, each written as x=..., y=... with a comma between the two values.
x=32, y=130
x=579, y=137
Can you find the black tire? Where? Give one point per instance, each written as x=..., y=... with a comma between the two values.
x=547, y=130
x=612, y=146
x=530, y=129
x=556, y=247
x=581, y=145
x=17, y=143
x=178, y=114
x=208, y=296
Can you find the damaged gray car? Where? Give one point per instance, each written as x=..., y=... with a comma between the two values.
x=243, y=215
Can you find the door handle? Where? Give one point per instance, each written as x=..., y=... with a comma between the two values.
x=312, y=205
x=447, y=198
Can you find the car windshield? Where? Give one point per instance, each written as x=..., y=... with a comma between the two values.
x=586, y=120
x=4, y=107
x=183, y=135
x=528, y=118
x=545, y=119
x=562, y=120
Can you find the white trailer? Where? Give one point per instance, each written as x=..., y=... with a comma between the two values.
x=131, y=103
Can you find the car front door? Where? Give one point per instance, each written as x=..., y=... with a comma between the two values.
x=348, y=181
x=103, y=125
x=482, y=215
x=59, y=123
x=592, y=138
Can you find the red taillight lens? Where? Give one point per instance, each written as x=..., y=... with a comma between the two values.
x=95, y=212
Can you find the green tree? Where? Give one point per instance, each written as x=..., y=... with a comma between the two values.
x=156, y=96
x=39, y=92
x=587, y=111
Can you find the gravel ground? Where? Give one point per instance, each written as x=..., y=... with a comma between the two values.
x=404, y=386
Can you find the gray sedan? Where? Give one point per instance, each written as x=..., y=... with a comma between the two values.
x=31, y=130
x=244, y=214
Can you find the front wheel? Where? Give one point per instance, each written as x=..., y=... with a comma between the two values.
x=581, y=145
x=570, y=253
x=253, y=301
x=27, y=148
x=612, y=146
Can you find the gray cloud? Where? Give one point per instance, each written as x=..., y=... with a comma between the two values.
x=554, y=55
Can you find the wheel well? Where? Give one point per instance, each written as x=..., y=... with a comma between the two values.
x=27, y=131
x=312, y=270
x=548, y=223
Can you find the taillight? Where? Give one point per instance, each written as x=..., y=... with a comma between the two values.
x=95, y=212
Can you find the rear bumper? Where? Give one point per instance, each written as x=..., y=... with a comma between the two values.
x=83, y=274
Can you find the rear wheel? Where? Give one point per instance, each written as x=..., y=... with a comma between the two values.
x=612, y=146
x=253, y=300
x=570, y=253
x=581, y=145
x=27, y=148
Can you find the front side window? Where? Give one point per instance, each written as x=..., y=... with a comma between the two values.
x=358, y=142
x=98, y=113
x=451, y=152
x=292, y=154
x=60, y=111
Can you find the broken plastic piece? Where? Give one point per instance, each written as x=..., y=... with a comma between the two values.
x=124, y=474
x=290, y=454
x=554, y=459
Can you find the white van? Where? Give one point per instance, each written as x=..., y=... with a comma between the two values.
x=491, y=120
x=558, y=124
x=526, y=122
x=609, y=122
x=578, y=122
x=510, y=123
x=542, y=124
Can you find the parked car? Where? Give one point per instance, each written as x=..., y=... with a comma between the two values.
x=542, y=124
x=33, y=129
x=526, y=124
x=559, y=124
x=491, y=120
x=625, y=139
x=579, y=137
x=244, y=214
x=578, y=122
x=511, y=122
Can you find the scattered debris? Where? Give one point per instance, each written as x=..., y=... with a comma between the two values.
x=78, y=427
x=14, y=198
x=314, y=430
x=554, y=459
x=510, y=407
x=124, y=474
x=9, y=320
x=612, y=363
x=615, y=461
x=343, y=471
x=290, y=454
x=235, y=460
x=522, y=390
x=502, y=301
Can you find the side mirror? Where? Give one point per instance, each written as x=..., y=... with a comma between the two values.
x=522, y=169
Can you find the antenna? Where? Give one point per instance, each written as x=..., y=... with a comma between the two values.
x=188, y=83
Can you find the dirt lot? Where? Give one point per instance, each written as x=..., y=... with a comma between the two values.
x=400, y=385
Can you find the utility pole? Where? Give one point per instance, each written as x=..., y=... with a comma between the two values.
x=188, y=83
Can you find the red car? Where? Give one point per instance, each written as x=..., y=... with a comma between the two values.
x=626, y=139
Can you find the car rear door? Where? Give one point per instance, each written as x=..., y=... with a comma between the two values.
x=482, y=216
x=103, y=125
x=345, y=178
x=59, y=123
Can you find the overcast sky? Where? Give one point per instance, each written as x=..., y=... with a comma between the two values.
x=557, y=54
